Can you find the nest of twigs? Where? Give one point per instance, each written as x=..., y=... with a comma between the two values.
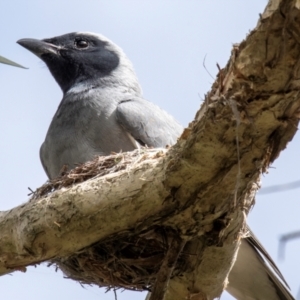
x=130, y=260
x=100, y=166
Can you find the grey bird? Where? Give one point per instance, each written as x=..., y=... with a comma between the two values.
x=103, y=110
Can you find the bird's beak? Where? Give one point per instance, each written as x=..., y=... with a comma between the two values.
x=6, y=61
x=38, y=47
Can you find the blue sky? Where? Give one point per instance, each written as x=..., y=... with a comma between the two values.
x=167, y=41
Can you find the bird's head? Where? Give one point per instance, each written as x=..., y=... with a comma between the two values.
x=80, y=59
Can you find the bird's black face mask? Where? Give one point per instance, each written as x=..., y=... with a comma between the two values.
x=74, y=58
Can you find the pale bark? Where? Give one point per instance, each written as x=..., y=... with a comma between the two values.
x=203, y=186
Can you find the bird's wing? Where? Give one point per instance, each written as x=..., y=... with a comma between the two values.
x=147, y=123
x=255, y=275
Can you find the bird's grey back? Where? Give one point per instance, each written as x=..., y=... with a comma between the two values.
x=101, y=121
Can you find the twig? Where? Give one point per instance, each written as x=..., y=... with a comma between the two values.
x=166, y=269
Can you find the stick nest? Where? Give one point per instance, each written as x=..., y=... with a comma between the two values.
x=128, y=260
x=100, y=166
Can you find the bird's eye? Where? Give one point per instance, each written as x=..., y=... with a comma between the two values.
x=81, y=44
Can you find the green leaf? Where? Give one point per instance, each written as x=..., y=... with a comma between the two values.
x=6, y=61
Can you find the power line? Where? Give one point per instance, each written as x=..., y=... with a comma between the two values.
x=279, y=188
x=286, y=238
